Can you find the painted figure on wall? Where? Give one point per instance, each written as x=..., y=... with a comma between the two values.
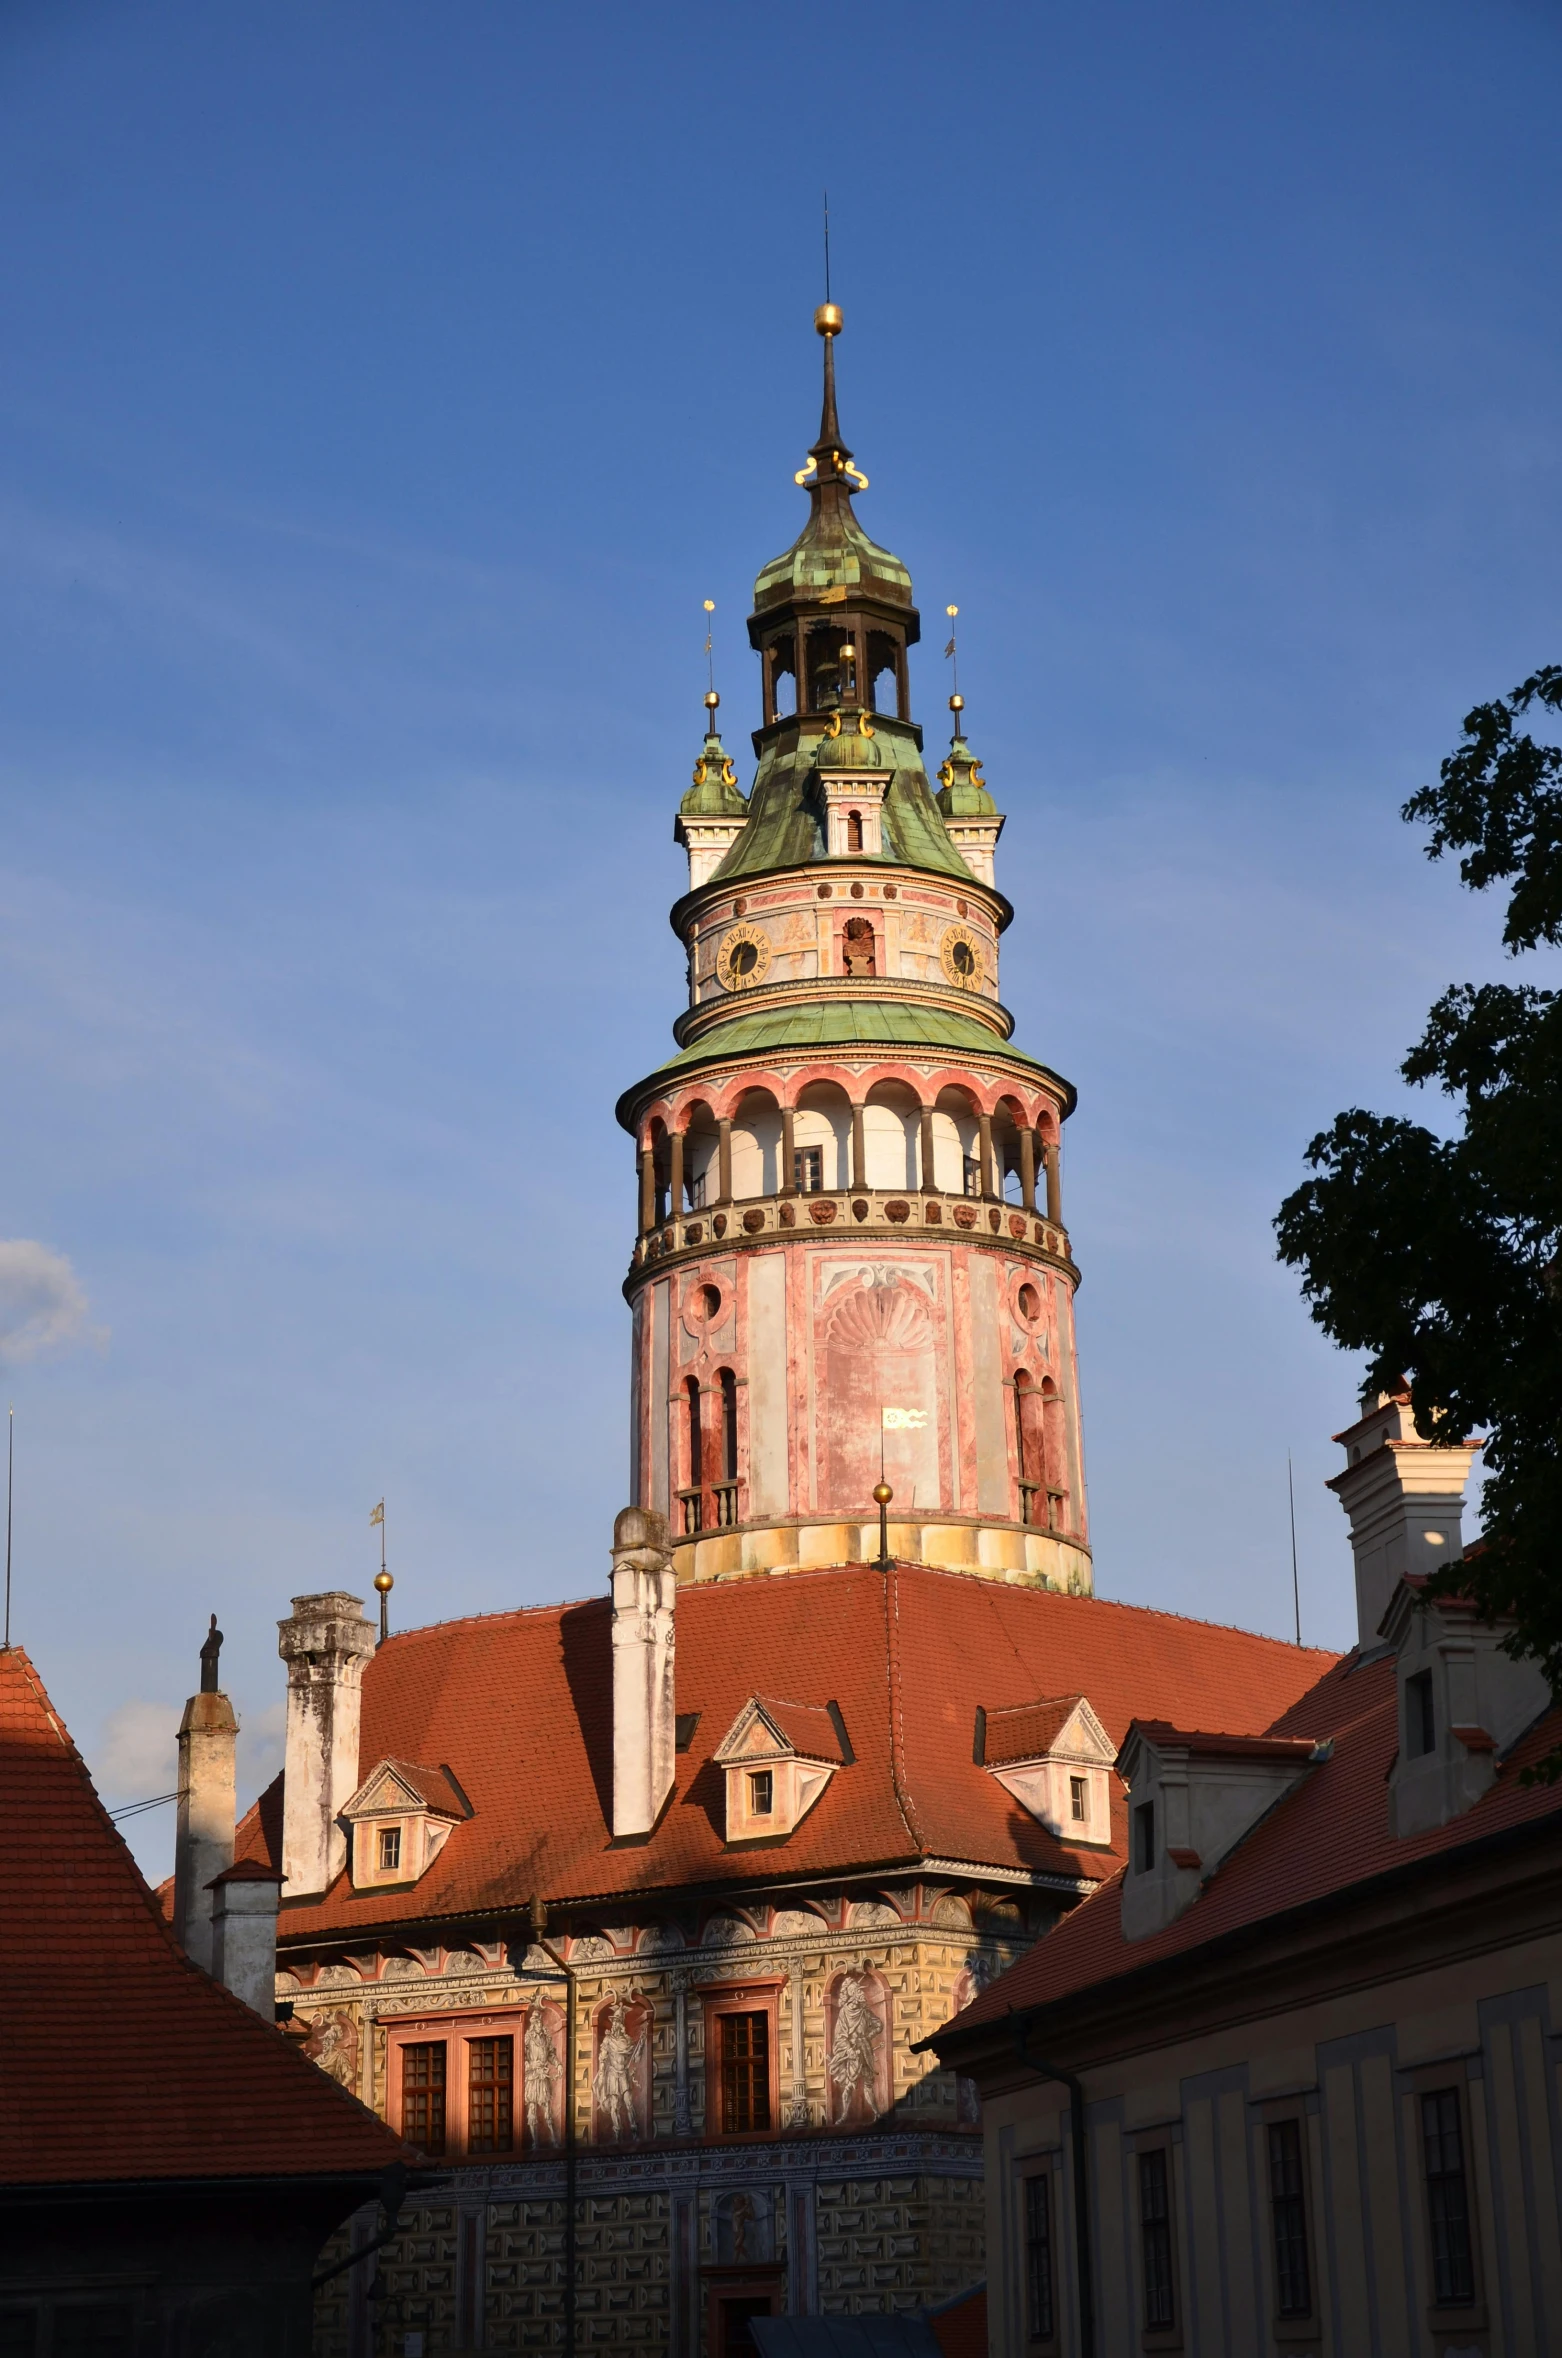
x=541, y=2072
x=620, y=2085
x=333, y=2044
x=857, y=2047
x=878, y=1332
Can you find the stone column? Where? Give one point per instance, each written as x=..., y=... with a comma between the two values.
x=203, y=1842
x=986, y=1184
x=929, y=1174
x=244, y=1934
x=675, y=1181
x=859, y=1149
x=325, y=1645
x=1054, y=1187
x=788, y=1153
x=724, y=1159
x=683, y=2121
x=643, y=1589
x=797, y=2111
x=1028, y=1168
x=647, y=1189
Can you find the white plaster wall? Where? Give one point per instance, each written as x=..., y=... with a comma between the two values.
x=954, y=1137
x=890, y=1141
x=661, y=1314
x=756, y=1153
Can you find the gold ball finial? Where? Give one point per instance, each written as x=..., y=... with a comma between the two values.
x=384, y=1582
x=827, y=319
x=710, y=605
x=957, y=704
x=951, y=611
x=882, y=1494
x=711, y=699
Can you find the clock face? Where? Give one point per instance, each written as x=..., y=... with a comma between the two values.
x=743, y=958
x=961, y=956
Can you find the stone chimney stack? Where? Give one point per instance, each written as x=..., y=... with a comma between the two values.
x=244, y=1933
x=325, y=1645
x=1405, y=1500
x=203, y=1844
x=643, y=1707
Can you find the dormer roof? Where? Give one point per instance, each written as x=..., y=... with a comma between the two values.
x=1044, y=1730
x=809, y=1730
x=397, y=1786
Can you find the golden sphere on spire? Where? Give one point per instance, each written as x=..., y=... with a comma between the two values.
x=712, y=699
x=957, y=704
x=384, y=1582
x=827, y=319
x=882, y=1494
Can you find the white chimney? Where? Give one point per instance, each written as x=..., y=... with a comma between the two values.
x=644, y=1733
x=203, y=1843
x=325, y=1645
x=244, y=1933
x=1405, y=1500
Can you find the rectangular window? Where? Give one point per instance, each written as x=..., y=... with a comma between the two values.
x=1447, y=2200
x=1144, y=1836
x=488, y=2098
x=971, y=1175
x=697, y=1192
x=1420, y=1717
x=745, y=2072
x=423, y=2096
x=1156, y=2240
x=808, y=1170
x=1038, y=2260
x=1288, y=2215
x=761, y=1792
x=390, y=1848
x=1078, y=1800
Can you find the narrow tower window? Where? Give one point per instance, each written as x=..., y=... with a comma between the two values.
x=696, y=1469
x=854, y=831
x=808, y=1170
x=729, y=1424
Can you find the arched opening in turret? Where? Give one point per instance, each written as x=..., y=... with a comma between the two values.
x=727, y=1383
x=694, y=1447
x=781, y=678
x=701, y=1159
x=891, y=1121
x=756, y=1144
x=1055, y=1455
x=830, y=666
x=1006, y=1148
x=821, y=1138
x=886, y=674
x=854, y=831
x=956, y=1143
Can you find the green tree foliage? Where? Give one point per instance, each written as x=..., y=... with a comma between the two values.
x=1441, y=1257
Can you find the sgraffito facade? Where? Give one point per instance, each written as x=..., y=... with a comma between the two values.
x=630, y=1914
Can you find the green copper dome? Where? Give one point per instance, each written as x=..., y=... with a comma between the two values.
x=715, y=793
x=832, y=552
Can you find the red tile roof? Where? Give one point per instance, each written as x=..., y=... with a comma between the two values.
x=1026, y=1731
x=434, y=1787
x=1331, y=1832
x=518, y=1704
x=121, y=2059
x=1215, y=1746
x=807, y=1727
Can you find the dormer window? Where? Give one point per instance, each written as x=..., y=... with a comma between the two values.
x=400, y=1819
x=1144, y=1837
x=779, y=1758
x=1463, y=1702
x=1420, y=1716
x=1056, y=1758
x=1193, y=1795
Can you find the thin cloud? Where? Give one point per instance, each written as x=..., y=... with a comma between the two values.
x=139, y=1754
x=43, y=1304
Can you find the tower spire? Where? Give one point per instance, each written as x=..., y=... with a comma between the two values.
x=827, y=320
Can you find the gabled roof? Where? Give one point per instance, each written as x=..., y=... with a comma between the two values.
x=424, y=1788
x=1029, y=1731
x=804, y=1728
x=1212, y=1745
x=518, y=1705
x=122, y=2060
x=1330, y=1833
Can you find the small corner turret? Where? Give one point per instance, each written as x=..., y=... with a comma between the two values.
x=970, y=815
x=714, y=809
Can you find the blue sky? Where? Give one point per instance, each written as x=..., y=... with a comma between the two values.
x=382, y=390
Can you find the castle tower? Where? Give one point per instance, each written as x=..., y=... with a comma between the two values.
x=850, y=1235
